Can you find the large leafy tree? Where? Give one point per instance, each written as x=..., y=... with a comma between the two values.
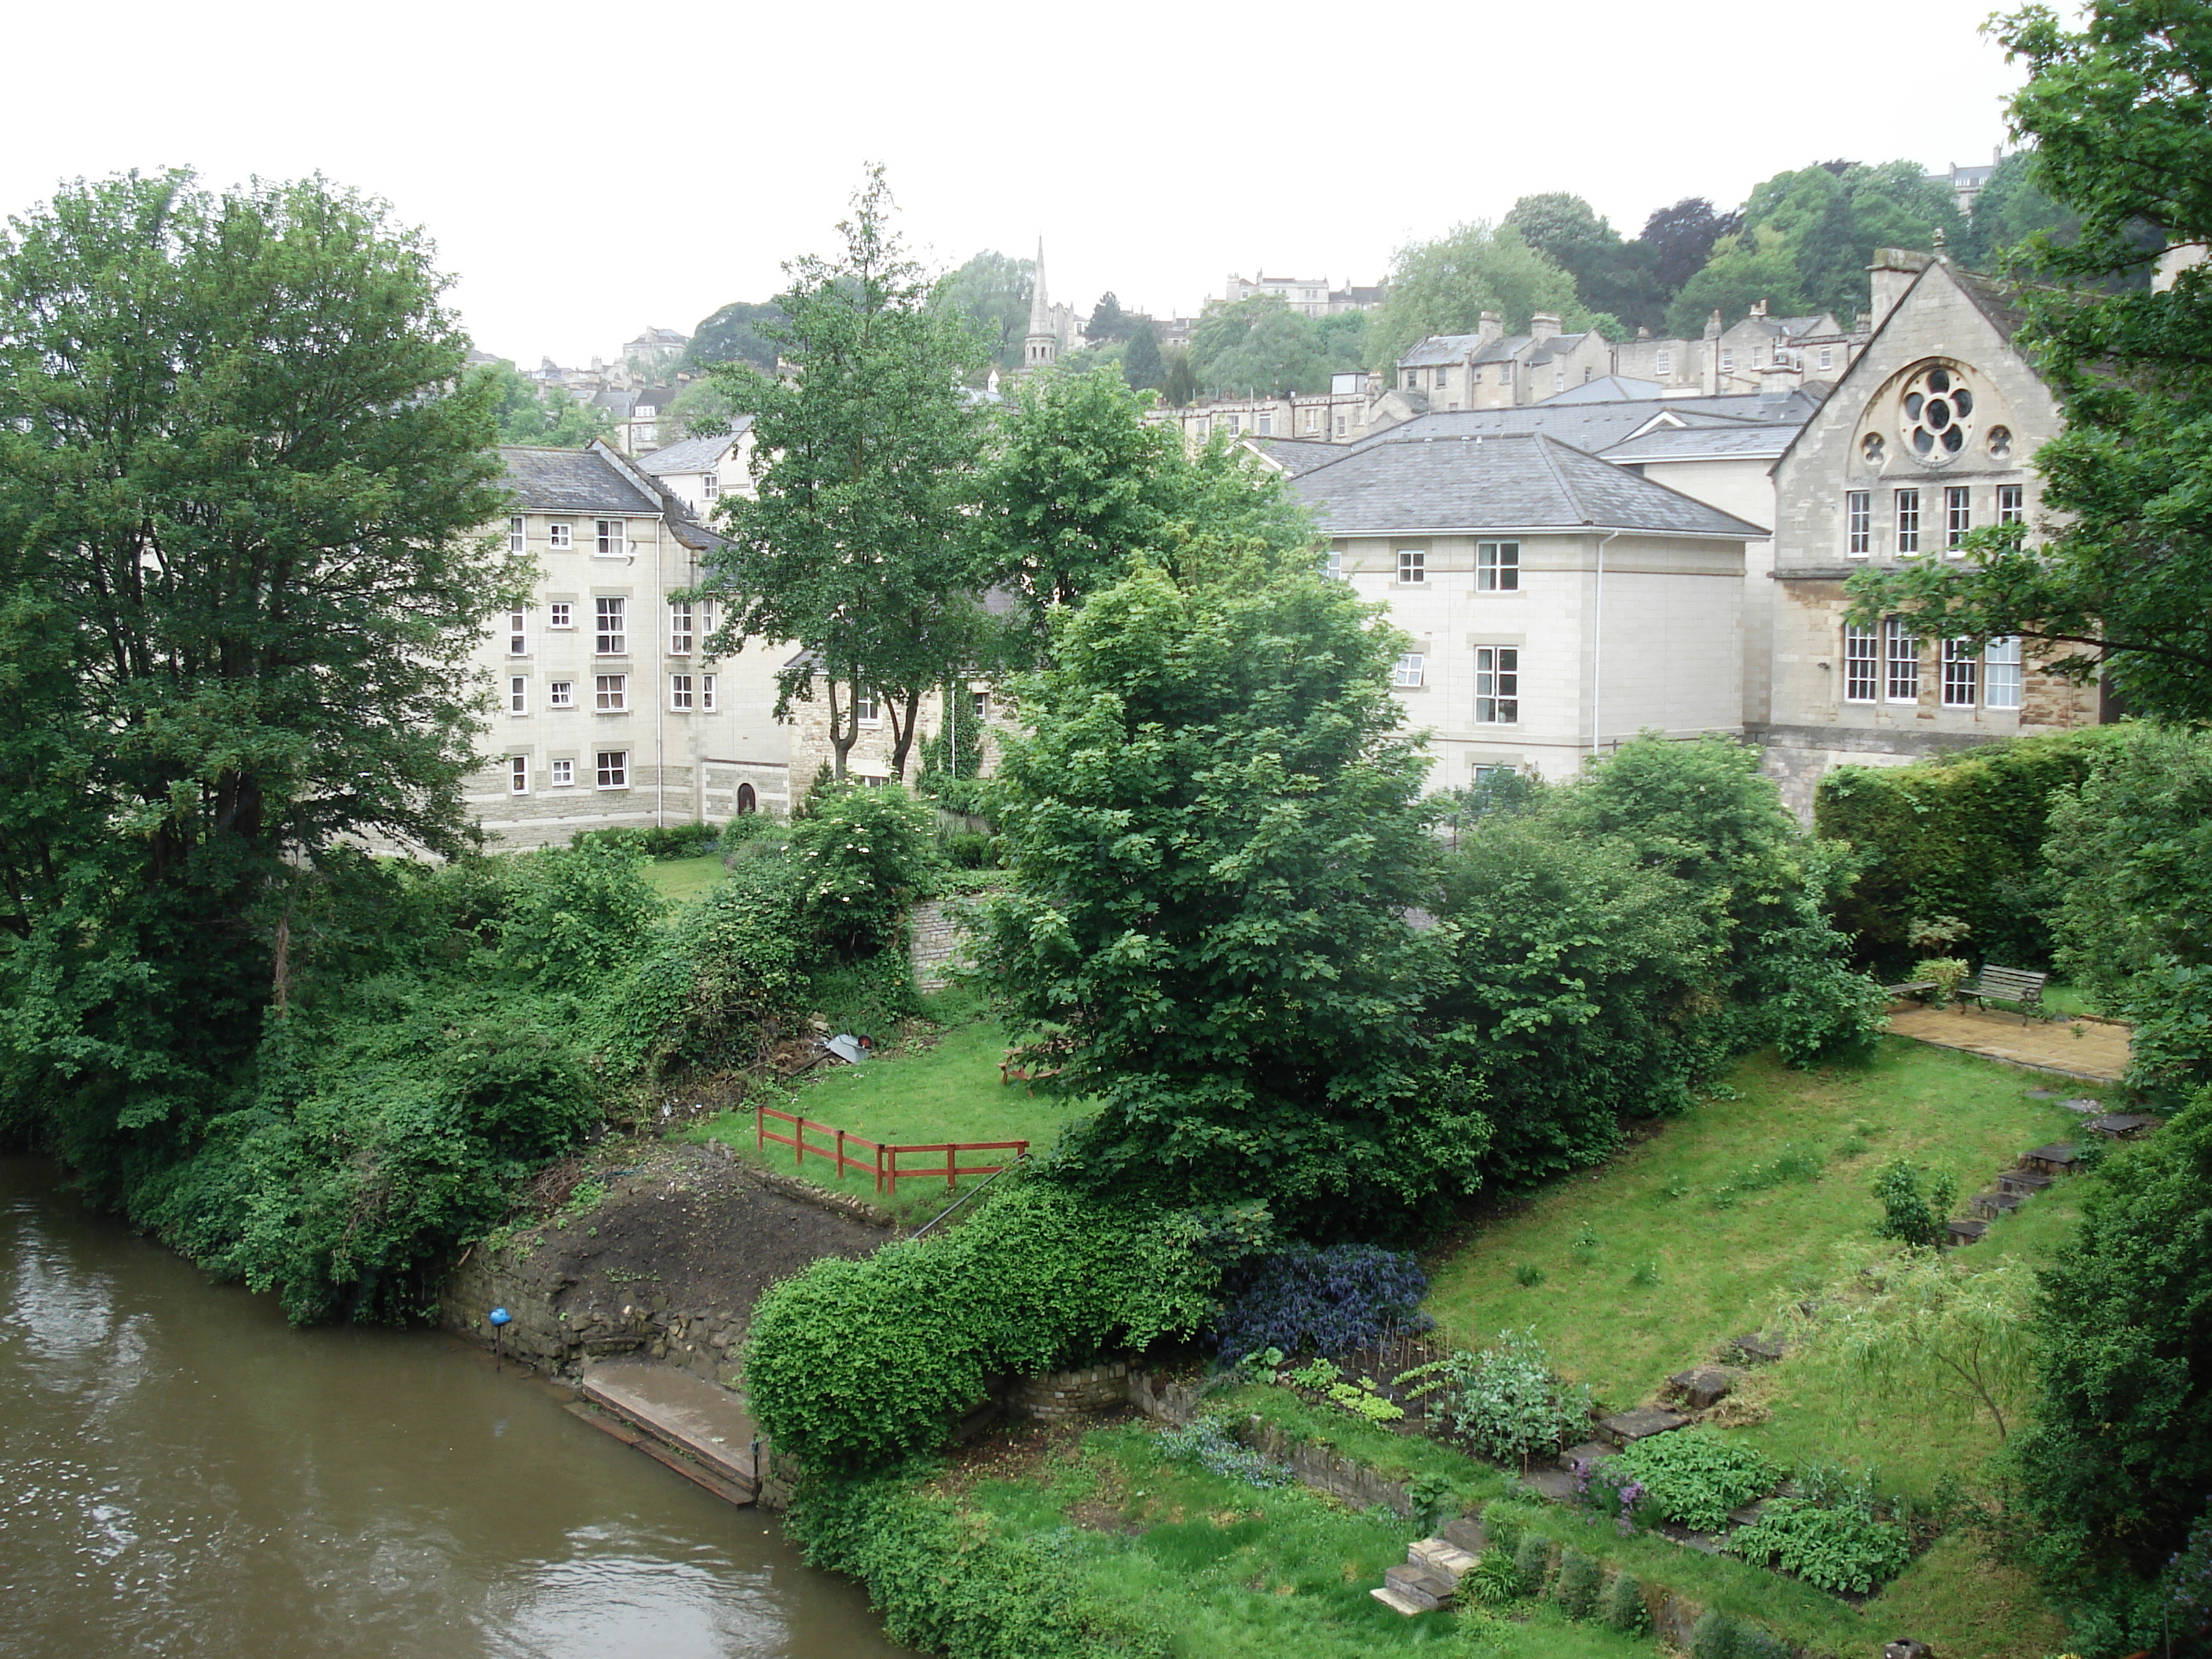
x=1444, y=287
x=1676, y=242
x=858, y=543
x=992, y=291
x=733, y=335
x=1261, y=345
x=1753, y=266
x=527, y=412
x=1611, y=275
x=2114, y=580
x=1832, y=217
x=239, y=586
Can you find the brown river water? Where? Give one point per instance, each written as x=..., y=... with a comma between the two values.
x=182, y=1474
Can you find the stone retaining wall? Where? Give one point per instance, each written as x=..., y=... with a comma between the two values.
x=1060, y=1396
x=939, y=932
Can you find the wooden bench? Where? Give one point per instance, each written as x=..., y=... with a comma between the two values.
x=2016, y=985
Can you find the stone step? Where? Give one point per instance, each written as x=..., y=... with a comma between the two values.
x=1967, y=1233
x=687, y=1415
x=1641, y=1423
x=1591, y=1452
x=1426, y=1590
x=1467, y=1534
x=2022, y=1183
x=1993, y=1205
x=740, y=1493
x=1397, y=1603
x=1447, y=1561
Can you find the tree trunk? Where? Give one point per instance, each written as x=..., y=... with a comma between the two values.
x=844, y=731
x=902, y=729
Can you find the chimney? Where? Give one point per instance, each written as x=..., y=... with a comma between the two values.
x=1713, y=325
x=1642, y=333
x=1490, y=328
x=1759, y=308
x=1542, y=326
x=1892, y=271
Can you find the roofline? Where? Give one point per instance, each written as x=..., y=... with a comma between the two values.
x=1718, y=455
x=1560, y=530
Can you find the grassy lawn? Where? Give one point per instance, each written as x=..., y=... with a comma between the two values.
x=684, y=879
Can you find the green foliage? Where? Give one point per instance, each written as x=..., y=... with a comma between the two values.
x=241, y=479
x=1532, y=1562
x=575, y=912
x=1910, y=1215
x=1622, y=1605
x=531, y=412
x=1959, y=836
x=857, y=1365
x=1209, y=1442
x=1752, y=265
x=665, y=840
x=1505, y=1400
x=1492, y=1581
x=1444, y=287
x=863, y=856
x=2114, y=1466
x=1841, y=1547
x=949, y=1582
x=1261, y=345
x=1576, y=1590
x=955, y=754
x=1213, y=832
x=1714, y=1636
x=1503, y=1526
x=1696, y=1477
x=1611, y=275
x=1946, y=974
x=735, y=335
x=990, y=295
x=2010, y=209
x=1832, y=217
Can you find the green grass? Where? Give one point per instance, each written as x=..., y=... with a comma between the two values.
x=681, y=880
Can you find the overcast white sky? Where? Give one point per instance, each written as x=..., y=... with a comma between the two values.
x=588, y=169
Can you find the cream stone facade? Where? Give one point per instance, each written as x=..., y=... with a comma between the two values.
x=1928, y=436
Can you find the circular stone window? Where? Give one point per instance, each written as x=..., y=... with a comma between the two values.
x=2000, y=441
x=1935, y=414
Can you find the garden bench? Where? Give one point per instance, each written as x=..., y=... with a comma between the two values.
x=2016, y=985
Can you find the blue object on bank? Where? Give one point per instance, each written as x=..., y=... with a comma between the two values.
x=501, y=1316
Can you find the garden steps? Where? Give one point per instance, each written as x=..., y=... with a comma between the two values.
x=1428, y=1591
x=1429, y=1578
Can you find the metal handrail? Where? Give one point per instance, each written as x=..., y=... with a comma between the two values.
x=1020, y=1159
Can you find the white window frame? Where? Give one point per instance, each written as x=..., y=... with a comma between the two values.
x=610, y=538
x=1263, y=426
x=1962, y=663
x=518, y=775
x=610, y=694
x=517, y=694
x=1497, y=685
x=610, y=625
x=1443, y=379
x=1900, y=661
x=1858, y=524
x=1344, y=426
x=518, y=631
x=1727, y=361
x=1663, y=363
x=1906, y=503
x=612, y=768
x=679, y=693
x=1862, y=663
x=868, y=710
x=2003, y=673
x=1498, y=566
x=1408, y=674
x=561, y=773
x=1958, y=516
x=710, y=485
x=706, y=693
x=1413, y=566
x=2012, y=504
x=518, y=534
x=679, y=628
x=1413, y=380
x=1334, y=568
x=560, y=694
x=561, y=614
x=561, y=535
x=1827, y=356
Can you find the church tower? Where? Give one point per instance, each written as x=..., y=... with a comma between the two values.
x=1041, y=344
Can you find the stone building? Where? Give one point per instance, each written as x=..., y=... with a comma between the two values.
x=1492, y=369
x=700, y=470
x=1744, y=357
x=1928, y=435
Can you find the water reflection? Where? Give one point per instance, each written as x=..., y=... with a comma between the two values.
x=182, y=1474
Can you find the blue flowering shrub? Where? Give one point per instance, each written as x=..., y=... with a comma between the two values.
x=1317, y=1301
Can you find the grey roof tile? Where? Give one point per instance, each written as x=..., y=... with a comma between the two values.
x=1749, y=440
x=693, y=454
x=571, y=481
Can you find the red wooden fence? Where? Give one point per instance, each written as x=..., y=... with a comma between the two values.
x=943, y=1157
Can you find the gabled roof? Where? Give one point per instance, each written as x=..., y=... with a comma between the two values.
x=1439, y=349
x=1558, y=346
x=694, y=454
x=1295, y=455
x=1725, y=440
x=1523, y=482
x=571, y=481
x=1607, y=389
x=1504, y=349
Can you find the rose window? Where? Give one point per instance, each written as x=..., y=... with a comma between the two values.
x=1935, y=414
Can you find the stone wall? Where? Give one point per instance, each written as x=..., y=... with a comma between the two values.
x=1063, y=1397
x=940, y=930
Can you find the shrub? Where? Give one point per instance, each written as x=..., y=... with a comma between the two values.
x=1492, y=1581
x=863, y=855
x=1532, y=1562
x=1324, y=1301
x=1946, y=973
x=1505, y=1399
x=1579, y=1582
x=1838, y=1548
x=855, y=1365
x=1622, y=1605
x=1908, y=1215
x=666, y=840
x=969, y=850
x=1208, y=1442
x=574, y=914
x=1502, y=1525
x=1696, y=1478
x=1714, y=1636
x=947, y=1582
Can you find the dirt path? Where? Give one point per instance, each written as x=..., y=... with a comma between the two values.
x=2087, y=1049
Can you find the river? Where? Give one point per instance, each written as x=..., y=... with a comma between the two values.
x=183, y=1474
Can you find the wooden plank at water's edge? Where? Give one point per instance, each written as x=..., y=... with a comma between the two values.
x=684, y=1414
x=730, y=1492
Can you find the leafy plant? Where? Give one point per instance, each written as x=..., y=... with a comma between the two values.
x=1502, y=1525
x=863, y=856
x=1578, y=1585
x=1208, y=1442
x=1528, y=1274
x=1622, y=1605
x=1309, y=1300
x=1841, y=1547
x=1362, y=1400
x=1645, y=1274
x=1532, y=1562
x=1696, y=1477
x=1946, y=974
x=1494, y=1581
x=1434, y=1497
x=1909, y=1215
x=1585, y=1244
x=1505, y=1399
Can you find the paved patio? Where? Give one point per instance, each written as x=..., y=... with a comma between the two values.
x=2089, y=1049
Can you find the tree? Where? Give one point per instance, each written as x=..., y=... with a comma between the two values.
x=241, y=476
x=1109, y=322
x=1142, y=365
x=992, y=291
x=2012, y=207
x=733, y=335
x=1832, y=216
x=857, y=542
x=1677, y=240
x=527, y=412
x=2114, y=577
x=1444, y=287
x=1753, y=265
x=1179, y=383
x=1258, y=344
x=1609, y=276
x=1214, y=830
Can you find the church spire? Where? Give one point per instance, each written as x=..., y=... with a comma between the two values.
x=1041, y=344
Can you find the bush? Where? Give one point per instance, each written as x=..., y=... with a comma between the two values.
x=967, y=850
x=863, y=855
x=1622, y=1605
x=1907, y=1214
x=1836, y=1548
x=1492, y=1581
x=668, y=841
x=1329, y=1301
x=1714, y=1636
x=1505, y=1400
x=947, y=1582
x=1532, y=1562
x=1502, y=1525
x=855, y=1366
x=1208, y=1442
x=1946, y=973
x=1579, y=1582
x=1696, y=1478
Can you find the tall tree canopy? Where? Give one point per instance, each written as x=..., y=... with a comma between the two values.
x=1611, y=275
x=1746, y=268
x=239, y=586
x=1832, y=216
x=527, y=412
x=857, y=542
x=1444, y=287
x=733, y=335
x=992, y=291
x=1677, y=240
x=1261, y=345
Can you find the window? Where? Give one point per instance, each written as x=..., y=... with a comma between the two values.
x=518, y=537
x=1498, y=566
x=1961, y=665
x=517, y=694
x=747, y=800
x=518, y=633
x=1727, y=361
x=613, y=694
x=1859, y=659
x=1958, y=514
x=1343, y=426
x=1858, y=523
x=2001, y=666
x=2012, y=504
x=1902, y=682
x=1484, y=773
x=1413, y=380
x=679, y=628
x=645, y=431
x=562, y=773
x=706, y=693
x=710, y=486
x=1665, y=365
x=1937, y=407
x=679, y=693
x=1827, y=357
x=1266, y=426
x=1443, y=379
x=518, y=775
x=1908, y=523
x=612, y=543
x=865, y=707
x=1336, y=564
x=1496, y=684
x=562, y=536
x=1409, y=670
x=614, y=769
x=562, y=615
x=1558, y=379
x=612, y=638
x=982, y=705
x=560, y=694
x=1313, y=420
x=1413, y=565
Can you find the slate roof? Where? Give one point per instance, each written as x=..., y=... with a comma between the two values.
x=1558, y=346
x=693, y=454
x=1746, y=440
x=1607, y=389
x=1439, y=349
x=571, y=481
x=1297, y=455
x=1526, y=481
x=1598, y=426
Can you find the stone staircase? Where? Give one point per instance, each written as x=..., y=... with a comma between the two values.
x=1433, y=1567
